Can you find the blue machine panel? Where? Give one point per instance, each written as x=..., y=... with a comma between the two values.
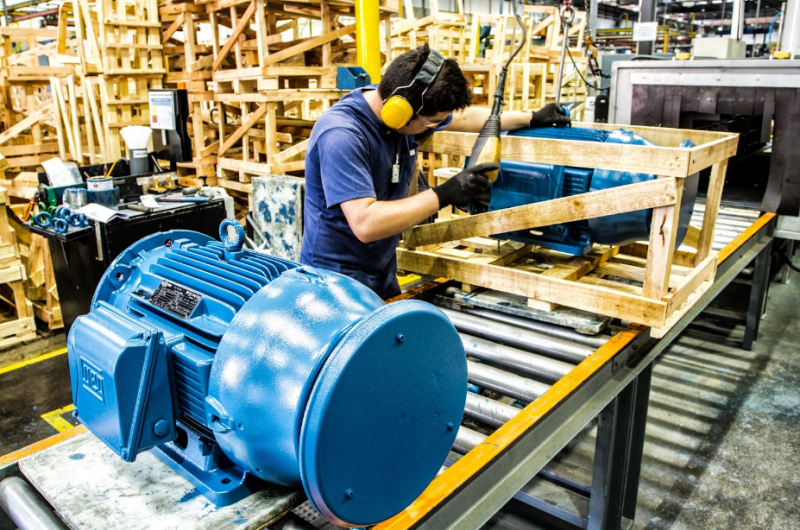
x=236, y=368
x=383, y=386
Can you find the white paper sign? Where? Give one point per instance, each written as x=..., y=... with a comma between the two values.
x=645, y=31
x=162, y=110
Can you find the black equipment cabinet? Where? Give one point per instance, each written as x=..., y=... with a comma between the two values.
x=79, y=266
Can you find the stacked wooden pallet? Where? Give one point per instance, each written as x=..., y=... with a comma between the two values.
x=256, y=92
x=532, y=76
x=120, y=42
x=40, y=287
x=114, y=47
x=189, y=67
x=40, y=284
x=26, y=104
x=100, y=62
x=445, y=31
x=16, y=312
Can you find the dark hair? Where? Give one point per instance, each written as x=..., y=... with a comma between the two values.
x=450, y=91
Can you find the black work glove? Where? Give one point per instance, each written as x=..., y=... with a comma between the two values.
x=551, y=115
x=464, y=188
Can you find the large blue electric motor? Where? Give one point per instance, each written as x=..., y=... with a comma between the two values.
x=238, y=368
x=520, y=183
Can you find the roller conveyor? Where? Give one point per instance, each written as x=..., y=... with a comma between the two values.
x=489, y=411
x=539, y=367
x=469, y=494
x=533, y=341
x=563, y=380
x=594, y=341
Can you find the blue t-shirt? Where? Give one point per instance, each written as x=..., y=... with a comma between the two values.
x=350, y=156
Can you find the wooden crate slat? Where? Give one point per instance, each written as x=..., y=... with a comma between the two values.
x=587, y=297
x=639, y=196
x=663, y=161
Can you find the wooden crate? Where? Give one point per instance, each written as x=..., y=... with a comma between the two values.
x=16, y=313
x=527, y=86
x=26, y=104
x=652, y=284
x=189, y=67
x=30, y=141
x=445, y=31
x=123, y=101
x=79, y=131
x=129, y=37
x=255, y=93
x=40, y=287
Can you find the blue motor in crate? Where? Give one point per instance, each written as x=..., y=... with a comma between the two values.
x=520, y=183
x=237, y=368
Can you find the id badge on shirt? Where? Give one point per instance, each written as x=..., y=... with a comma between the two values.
x=396, y=169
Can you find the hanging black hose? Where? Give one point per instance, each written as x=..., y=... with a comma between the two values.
x=786, y=259
x=501, y=79
x=487, y=145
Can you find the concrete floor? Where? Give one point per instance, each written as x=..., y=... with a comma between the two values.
x=29, y=391
x=723, y=435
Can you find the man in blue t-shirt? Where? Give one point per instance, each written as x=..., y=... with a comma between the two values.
x=358, y=169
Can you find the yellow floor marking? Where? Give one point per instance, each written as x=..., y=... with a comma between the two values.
x=56, y=421
x=42, y=357
x=41, y=445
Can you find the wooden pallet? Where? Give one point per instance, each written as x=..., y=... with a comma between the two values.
x=79, y=131
x=22, y=66
x=40, y=288
x=30, y=141
x=255, y=93
x=445, y=31
x=531, y=80
x=189, y=68
x=40, y=283
x=123, y=102
x=117, y=56
x=16, y=313
x=649, y=283
x=527, y=86
x=28, y=133
x=129, y=37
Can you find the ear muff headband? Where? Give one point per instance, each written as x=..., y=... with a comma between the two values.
x=397, y=110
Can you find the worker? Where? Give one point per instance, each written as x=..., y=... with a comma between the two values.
x=361, y=158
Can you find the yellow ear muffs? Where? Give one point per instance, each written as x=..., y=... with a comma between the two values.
x=397, y=112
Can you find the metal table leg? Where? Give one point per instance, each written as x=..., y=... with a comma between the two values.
x=758, y=296
x=618, y=456
x=785, y=269
x=641, y=405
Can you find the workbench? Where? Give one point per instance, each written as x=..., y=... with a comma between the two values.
x=82, y=255
x=612, y=383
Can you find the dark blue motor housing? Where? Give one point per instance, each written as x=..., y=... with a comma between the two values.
x=521, y=183
x=238, y=368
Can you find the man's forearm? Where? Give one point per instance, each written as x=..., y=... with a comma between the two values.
x=472, y=119
x=372, y=220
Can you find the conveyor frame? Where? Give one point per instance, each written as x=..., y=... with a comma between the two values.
x=613, y=383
